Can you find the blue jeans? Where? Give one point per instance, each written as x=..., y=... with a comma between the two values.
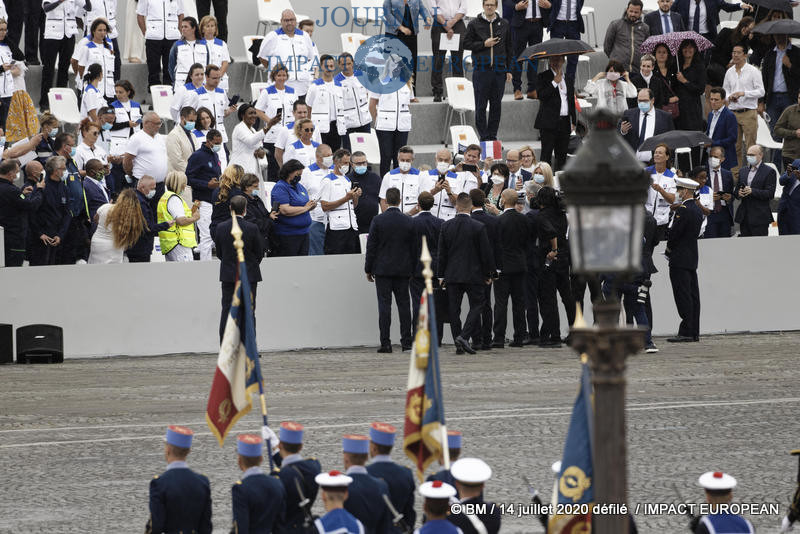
x=316, y=239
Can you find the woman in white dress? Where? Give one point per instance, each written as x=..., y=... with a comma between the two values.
x=119, y=227
x=247, y=142
x=218, y=53
x=304, y=149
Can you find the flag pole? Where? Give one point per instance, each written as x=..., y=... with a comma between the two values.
x=238, y=244
x=426, y=259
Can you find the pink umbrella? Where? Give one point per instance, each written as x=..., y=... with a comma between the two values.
x=673, y=41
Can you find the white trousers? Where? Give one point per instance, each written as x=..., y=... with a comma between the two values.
x=180, y=253
x=205, y=243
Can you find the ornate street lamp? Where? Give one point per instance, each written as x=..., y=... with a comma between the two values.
x=605, y=188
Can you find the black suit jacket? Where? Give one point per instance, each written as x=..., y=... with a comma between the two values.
x=515, y=234
x=517, y=18
x=226, y=252
x=550, y=101
x=726, y=179
x=493, y=233
x=465, y=256
x=754, y=208
x=391, y=245
x=790, y=75
x=663, y=124
x=712, y=13
x=428, y=225
x=656, y=23
x=511, y=184
x=656, y=86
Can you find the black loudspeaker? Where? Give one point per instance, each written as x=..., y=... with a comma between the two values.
x=40, y=343
x=6, y=343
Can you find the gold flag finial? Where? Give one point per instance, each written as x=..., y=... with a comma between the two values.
x=426, y=259
x=236, y=232
x=580, y=322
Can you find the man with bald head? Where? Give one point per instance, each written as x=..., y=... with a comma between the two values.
x=517, y=175
x=141, y=251
x=293, y=48
x=515, y=234
x=146, y=154
x=444, y=184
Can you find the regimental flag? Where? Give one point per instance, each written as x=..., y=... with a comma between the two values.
x=424, y=422
x=491, y=149
x=575, y=482
x=238, y=371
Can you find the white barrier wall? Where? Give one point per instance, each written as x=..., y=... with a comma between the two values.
x=746, y=284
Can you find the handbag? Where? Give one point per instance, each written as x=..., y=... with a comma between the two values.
x=671, y=107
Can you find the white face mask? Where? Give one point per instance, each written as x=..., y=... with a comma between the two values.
x=538, y=178
x=344, y=169
x=442, y=166
x=151, y=193
x=612, y=76
x=404, y=166
x=714, y=162
x=327, y=161
x=497, y=179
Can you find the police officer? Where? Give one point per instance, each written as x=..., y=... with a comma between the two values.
x=336, y=520
x=15, y=207
x=159, y=22
x=339, y=198
x=436, y=507
x=399, y=478
x=180, y=499
x=406, y=178
x=454, y=440
x=719, y=486
x=365, y=493
x=259, y=501
x=470, y=475
x=295, y=472
x=325, y=100
x=187, y=51
x=682, y=253
x=794, y=509
x=355, y=99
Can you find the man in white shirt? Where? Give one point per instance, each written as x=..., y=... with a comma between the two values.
x=448, y=21
x=339, y=200
x=355, y=99
x=311, y=179
x=210, y=96
x=443, y=184
x=145, y=154
x=159, y=20
x=294, y=48
x=406, y=179
x=744, y=86
x=326, y=106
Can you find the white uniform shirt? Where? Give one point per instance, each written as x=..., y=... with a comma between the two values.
x=106, y=9
x=6, y=78
x=394, y=114
x=326, y=103
x=408, y=184
x=92, y=100
x=355, y=99
x=749, y=81
x=93, y=53
x=60, y=22
x=161, y=18
x=216, y=102
x=311, y=179
x=218, y=54
x=286, y=137
x=150, y=155
x=125, y=112
x=333, y=188
x=442, y=206
x=84, y=153
x=297, y=53
x=187, y=53
x=181, y=98
x=305, y=154
x=270, y=100
x=656, y=204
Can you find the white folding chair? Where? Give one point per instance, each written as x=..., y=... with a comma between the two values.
x=269, y=13
x=778, y=186
x=364, y=12
x=366, y=143
x=474, y=8
x=190, y=10
x=351, y=42
x=257, y=69
x=728, y=24
x=256, y=88
x=684, y=150
x=463, y=135
x=587, y=12
x=764, y=138
x=460, y=99
x=64, y=105
x=162, y=99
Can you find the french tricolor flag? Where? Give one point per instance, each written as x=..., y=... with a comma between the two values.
x=491, y=149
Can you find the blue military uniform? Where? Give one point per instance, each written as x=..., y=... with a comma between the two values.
x=339, y=521
x=15, y=210
x=365, y=493
x=444, y=475
x=474, y=472
x=259, y=502
x=724, y=523
x=438, y=526
x=180, y=500
x=295, y=468
x=398, y=478
x=437, y=495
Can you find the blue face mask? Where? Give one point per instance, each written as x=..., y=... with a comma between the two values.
x=106, y=126
x=644, y=107
x=255, y=192
x=360, y=169
x=216, y=148
x=72, y=152
x=53, y=133
x=189, y=126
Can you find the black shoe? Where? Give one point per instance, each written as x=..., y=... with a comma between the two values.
x=459, y=350
x=680, y=339
x=385, y=349
x=498, y=345
x=696, y=338
x=531, y=341
x=32, y=62
x=464, y=345
x=406, y=348
x=516, y=344
x=437, y=98
x=486, y=346
x=568, y=340
x=550, y=343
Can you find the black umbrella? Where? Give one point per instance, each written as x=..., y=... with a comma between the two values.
x=781, y=5
x=555, y=47
x=677, y=139
x=779, y=27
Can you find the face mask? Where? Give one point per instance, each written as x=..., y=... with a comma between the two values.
x=189, y=126
x=644, y=107
x=216, y=148
x=612, y=76
x=497, y=180
x=130, y=181
x=106, y=126
x=404, y=166
x=751, y=160
x=360, y=169
x=2, y=142
x=255, y=192
x=714, y=162
x=442, y=166
x=538, y=178
x=344, y=169
x=295, y=180
x=72, y=152
x=99, y=176
x=151, y=193
x=327, y=161
x=53, y=133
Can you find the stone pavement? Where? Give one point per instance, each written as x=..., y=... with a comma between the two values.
x=79, y=442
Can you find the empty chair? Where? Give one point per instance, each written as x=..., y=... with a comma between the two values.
x=764, y=138
x=64, y=105
x=462, y=136
x=269, y=13
x=162, y=98
x=256, y=69
x=586, y=12
x=366, y=143
x=351, y=42
x=366, y=14
x=460, y=99
x=256, y=88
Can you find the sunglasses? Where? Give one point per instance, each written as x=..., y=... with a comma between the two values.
x=308, y=129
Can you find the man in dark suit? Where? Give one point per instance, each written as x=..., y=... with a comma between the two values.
x=703, y=18
x=517, y=176
x=663, y=20
x=389, y=263
x=720, y=179
x=643, y=122
x=780, y=87
x=789, y=204
x=466, y=263
x=141, y=251
x=483, y=338
x=515, y=234
x=566, y=22
x=258, y=500
x=229, y=260
x=556, y=114
x=94, y=187
x=722, y=128
x=425, y=225
x=527, y=18
x=644, y=79
x=756, y=188
x=682, y=254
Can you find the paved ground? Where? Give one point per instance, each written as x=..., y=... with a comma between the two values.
x=80, y=441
